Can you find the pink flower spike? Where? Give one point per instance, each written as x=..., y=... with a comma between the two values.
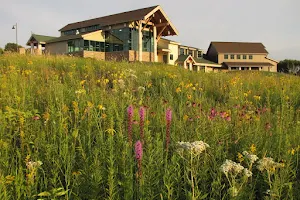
x=169, y=115
x=130, y=110
x=142, y=113
x=138, y=150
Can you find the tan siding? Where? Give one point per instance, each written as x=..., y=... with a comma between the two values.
x=57, y=48
x=96, y=36
x=256, y=58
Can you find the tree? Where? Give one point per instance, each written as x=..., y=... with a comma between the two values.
x=289, y=66
x=12, y=47
x=1, y=51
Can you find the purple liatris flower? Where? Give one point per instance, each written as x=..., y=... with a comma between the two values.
x=142, y=120
x=130, y=121
x=142, y=113
x=138, y=148
x=169, y=115
x=168, y=119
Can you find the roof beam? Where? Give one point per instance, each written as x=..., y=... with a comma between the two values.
x=146, y=23
x=160, y=32
x=162, y=24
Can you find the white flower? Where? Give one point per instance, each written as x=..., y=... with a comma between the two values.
x=121, y=83
x=268, y=164
x=247, y=172
x=196, y=147
x=231, y=167
x=251, y=157
x=32, y=165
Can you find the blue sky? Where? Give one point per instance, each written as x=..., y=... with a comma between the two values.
x=275, y=23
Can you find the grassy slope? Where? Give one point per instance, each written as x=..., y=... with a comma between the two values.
x=51, y=110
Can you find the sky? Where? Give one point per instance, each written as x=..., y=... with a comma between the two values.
x=275, y=23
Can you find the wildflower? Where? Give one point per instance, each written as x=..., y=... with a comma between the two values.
x=139, y=155
x=253, y=148
x=231, y=167
x=121, y=83
x=185, y=117
x=247, y=172
x=240, y=157
x=257, y=97
x=36, y=117
x=196, y=147
x=189, y=96
x=130, y=116
x=168, y=119
x=101, y=107
x=178, y=90
x=251, y=157
x=82, y=82
x=268, y=164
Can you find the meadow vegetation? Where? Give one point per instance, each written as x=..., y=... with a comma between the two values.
x=73, y=128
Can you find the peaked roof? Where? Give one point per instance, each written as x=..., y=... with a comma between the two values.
x=238, y=47
x=123, y=17
x=183, y=58
x=40, y=38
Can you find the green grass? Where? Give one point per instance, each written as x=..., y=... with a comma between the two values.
x=71, y=114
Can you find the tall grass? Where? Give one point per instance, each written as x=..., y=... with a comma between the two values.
x=64, y=130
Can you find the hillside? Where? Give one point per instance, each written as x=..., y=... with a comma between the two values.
x=69, y=127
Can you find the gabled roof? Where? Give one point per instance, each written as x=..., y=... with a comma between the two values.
x=65, y=38
x=134, y=15
x=239, y=47
x=183, y=58
x=40, y=38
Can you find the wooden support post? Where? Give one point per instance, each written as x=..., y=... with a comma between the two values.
x=155, y=43
x=140, y=43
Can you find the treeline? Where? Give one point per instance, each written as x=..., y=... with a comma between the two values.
x=289, y=66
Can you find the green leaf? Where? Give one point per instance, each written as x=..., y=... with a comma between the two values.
x=44, y=194
x=62, y=193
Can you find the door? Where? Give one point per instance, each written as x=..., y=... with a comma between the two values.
x=165, y=58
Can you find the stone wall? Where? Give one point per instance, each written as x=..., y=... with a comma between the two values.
x=117, y=56
x=146, y=56
x=94, y=54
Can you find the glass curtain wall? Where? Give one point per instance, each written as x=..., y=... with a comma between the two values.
x=123, y=39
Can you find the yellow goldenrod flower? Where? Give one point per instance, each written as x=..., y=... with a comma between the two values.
x=185, y=117
x=178, y=90
x=253, y=148
x=82, y=82
x=101, y=107
x=256, y=97
x=240, y=157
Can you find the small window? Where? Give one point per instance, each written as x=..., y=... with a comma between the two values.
x=244, y=57
x=238, y=57
x=199, y=54
x=181, y=51
x=231, y=56
x=225, y=56
x=250, y=57
x=171, y=57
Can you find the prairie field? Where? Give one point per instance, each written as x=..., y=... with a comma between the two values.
x=73, y=128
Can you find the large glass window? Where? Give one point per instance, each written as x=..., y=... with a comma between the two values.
x=93, y=46
x=181, y=51
x=244, y=57
x=250, y=57
x=238, y=57
x=231, y=56
x=225, y=56
x=75, y=45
